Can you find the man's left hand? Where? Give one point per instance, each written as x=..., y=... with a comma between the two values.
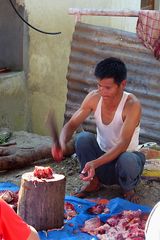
x=88, y=170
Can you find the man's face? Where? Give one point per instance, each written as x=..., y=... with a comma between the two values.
x=108, y=89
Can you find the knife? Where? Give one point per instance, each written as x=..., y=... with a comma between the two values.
x=56, y=147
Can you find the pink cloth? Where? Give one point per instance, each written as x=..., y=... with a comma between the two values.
x=148, y=30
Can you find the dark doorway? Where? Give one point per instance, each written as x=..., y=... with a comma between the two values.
x=11, y=36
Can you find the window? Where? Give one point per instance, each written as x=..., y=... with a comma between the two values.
x=150, y=4
x=147, y=4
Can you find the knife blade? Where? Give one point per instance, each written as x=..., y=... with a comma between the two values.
x=56, y=148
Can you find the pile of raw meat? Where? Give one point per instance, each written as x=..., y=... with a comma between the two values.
x=10, y=197
x=125, y=225
x=69, y=211
x=43, y=172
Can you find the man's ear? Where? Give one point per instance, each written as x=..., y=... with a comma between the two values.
x=123, y=84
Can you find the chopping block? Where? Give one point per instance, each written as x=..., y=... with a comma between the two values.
x=41, y=201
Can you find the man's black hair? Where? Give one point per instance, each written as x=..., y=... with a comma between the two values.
x=111, y=68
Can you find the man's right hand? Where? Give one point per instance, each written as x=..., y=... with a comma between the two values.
x=57, y=153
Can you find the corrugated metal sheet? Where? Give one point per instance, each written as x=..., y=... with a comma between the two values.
x=90, y=45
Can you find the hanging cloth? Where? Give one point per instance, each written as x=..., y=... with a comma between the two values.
x=148, y=30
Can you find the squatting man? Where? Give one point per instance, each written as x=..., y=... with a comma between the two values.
x=111, y=156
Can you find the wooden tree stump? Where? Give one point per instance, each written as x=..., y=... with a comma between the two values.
x=41, y=201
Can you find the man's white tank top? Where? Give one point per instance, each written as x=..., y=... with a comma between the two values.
x=108, y=135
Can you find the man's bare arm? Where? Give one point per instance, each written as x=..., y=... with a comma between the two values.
x=71, y=126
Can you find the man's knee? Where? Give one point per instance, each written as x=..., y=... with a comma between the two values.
x=126, y=158
x=129, y=163
x=84, y=139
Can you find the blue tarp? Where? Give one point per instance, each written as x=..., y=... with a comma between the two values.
x=71, y=230
x=8, y=186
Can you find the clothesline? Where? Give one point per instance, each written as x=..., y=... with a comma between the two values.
x=78, y=12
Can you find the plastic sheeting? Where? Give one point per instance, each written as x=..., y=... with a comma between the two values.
x=71, y=229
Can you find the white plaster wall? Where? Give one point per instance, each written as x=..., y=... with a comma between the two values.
x=48, y=55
